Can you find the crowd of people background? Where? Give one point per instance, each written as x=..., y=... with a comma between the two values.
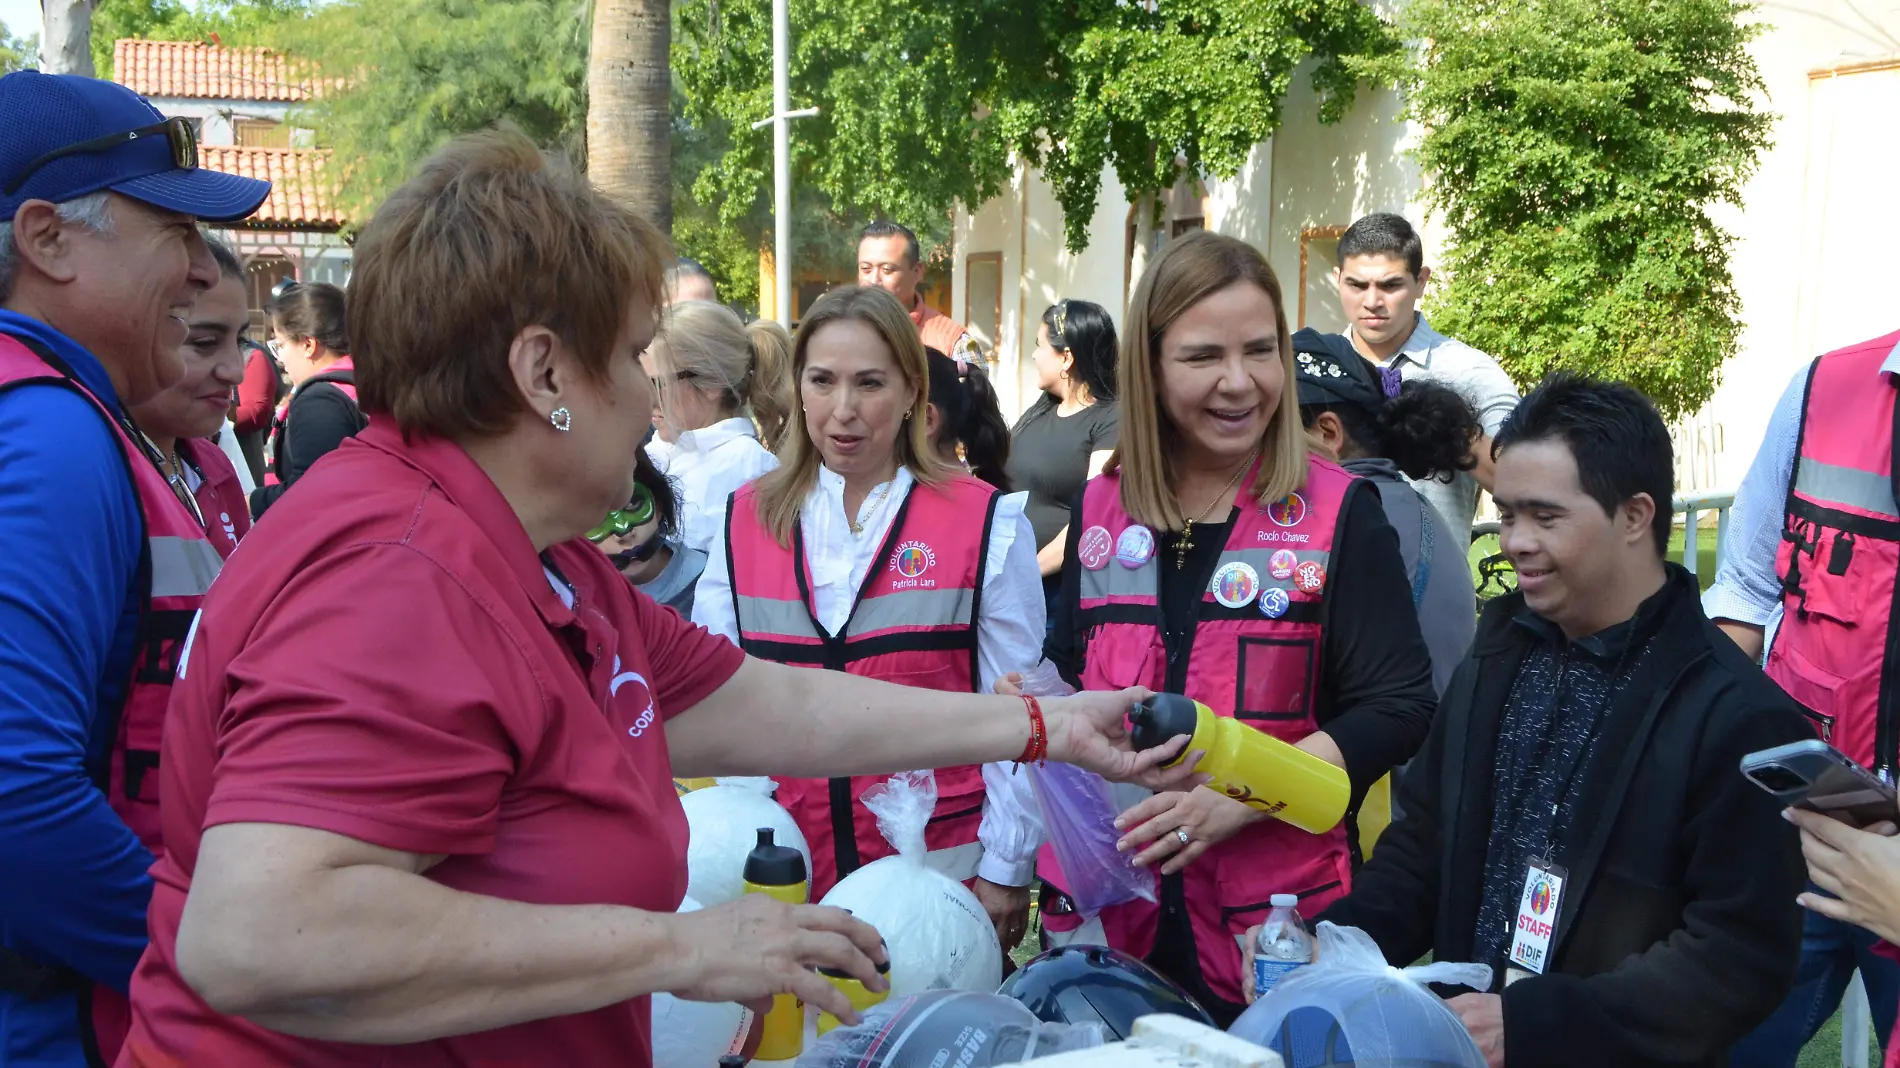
x=540, y=525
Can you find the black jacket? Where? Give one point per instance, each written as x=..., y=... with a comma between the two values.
x=1677, y=930
x=320, y=416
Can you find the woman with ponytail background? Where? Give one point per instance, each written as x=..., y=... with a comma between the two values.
x=1385, y=432
x=966, y=422
x=706, y=371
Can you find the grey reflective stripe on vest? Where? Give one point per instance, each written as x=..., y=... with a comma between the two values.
x=1829, y=483
x=1114, y=580
x=183, y=567
x=765, y=616
x=912, y=608
x=959, y=862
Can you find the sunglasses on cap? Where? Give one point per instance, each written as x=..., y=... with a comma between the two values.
x=177, y=131
x=622, y=521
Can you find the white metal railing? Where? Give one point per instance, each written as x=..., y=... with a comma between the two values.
x=1856, y=1013
x=1690, y=507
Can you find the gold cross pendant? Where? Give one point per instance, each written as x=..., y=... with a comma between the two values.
x=1187, y=542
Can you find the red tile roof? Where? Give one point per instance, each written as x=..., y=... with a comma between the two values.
x=302, y=195
x=190, y=69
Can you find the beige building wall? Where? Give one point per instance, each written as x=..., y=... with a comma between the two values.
x=1813, y=235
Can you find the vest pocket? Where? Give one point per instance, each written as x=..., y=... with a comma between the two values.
x=1275, y=681
x=1811, y=685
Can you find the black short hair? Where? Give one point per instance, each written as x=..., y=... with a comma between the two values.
x=886, y=228
x=1616, y=435
x=1383, y=234
x=228, y=264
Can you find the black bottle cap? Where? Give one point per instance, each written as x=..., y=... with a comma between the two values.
x=732, y=1060
x=883, y=968
x=773, y=865
x=1160, y=718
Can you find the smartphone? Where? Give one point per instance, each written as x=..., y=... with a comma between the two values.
x=1816, y=776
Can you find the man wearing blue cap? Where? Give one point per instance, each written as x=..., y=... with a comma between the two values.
x=100, y=262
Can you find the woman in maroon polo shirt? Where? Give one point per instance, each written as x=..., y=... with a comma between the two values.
x=417, y=775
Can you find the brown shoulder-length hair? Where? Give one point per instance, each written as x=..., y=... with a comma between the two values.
x=1187, y=271
x=782, y=492
x=489, y=237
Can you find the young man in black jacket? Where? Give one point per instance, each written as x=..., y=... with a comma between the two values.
x=1577, y=818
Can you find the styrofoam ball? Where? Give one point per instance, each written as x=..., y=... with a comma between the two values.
x=937, y=932
x=724, y=822
x=695, y=1034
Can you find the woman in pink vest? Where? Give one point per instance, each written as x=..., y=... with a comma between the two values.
x=1214, y=556
x=866, y=552
x=180, y=421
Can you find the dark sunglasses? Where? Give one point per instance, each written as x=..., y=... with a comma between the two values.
x=177, y=131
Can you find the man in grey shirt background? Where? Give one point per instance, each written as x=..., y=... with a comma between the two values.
x=1381, y=276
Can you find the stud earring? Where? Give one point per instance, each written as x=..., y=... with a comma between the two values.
x=562, y=419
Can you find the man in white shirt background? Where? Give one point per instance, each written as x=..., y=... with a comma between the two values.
x=1381, y=276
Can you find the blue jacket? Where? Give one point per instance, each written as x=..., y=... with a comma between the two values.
x=73, y=878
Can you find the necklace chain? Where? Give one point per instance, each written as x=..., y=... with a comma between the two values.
x=1187, y=525
x=883, y=492
x=171, y=468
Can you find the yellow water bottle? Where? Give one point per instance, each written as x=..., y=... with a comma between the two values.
x=1256, y=769
x=779, y=871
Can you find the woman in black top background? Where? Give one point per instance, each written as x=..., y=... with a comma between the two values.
x=312, y=339
x=1065, y=437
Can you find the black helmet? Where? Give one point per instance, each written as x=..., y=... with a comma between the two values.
x=1084, y=984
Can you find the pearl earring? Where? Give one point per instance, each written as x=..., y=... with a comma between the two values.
x=562, y=419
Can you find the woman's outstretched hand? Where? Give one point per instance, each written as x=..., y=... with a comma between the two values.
x=1090, y=730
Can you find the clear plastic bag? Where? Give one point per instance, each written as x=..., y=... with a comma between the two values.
x=1078, y=816
x=947, y=1027
x=936, y=931
x=1350, y=1007
x=723, y=824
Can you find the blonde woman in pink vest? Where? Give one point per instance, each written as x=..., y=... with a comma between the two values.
x=1214, y=556
x=868, y=552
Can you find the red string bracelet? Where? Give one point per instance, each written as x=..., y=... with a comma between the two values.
x=1038, y=748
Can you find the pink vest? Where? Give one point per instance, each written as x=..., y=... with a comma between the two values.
x=1256, y=656
x=914, y=623
x=183, y=563
x=1836, y=652
x=341, y=374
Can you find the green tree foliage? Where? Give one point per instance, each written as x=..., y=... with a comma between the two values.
x=923, y=101
x=1574, y=149
x=18, y=53
x=231, y=22
x=405, y=76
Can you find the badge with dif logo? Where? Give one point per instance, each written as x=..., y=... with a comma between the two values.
x=1536, y=925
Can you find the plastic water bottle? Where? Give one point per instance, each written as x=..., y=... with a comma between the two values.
x=1283, y=945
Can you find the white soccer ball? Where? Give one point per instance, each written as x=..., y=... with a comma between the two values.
x=695, y=1034
x=724, y=822
x=938, y=935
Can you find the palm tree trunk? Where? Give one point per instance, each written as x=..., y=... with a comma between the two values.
x=629, y=127
x=67, y=44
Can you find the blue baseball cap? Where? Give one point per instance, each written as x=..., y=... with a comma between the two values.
x=44, y=113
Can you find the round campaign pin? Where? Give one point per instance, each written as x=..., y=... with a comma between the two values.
x=1281, y=564
x=1236, y=584
x=1310, y=576
x=1095, y=547
x=1135, y=547
x=1274, y=602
